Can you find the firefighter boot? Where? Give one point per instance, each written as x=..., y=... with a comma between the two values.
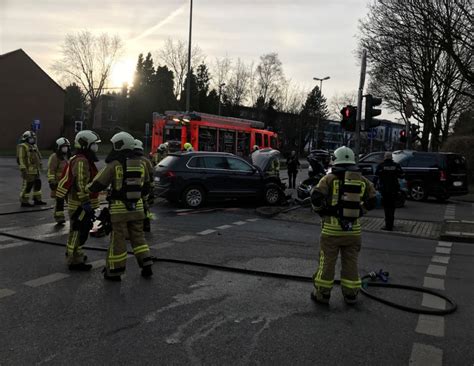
x=82, y=267
x=147, y=272
x=319, y=297
x=39, y=202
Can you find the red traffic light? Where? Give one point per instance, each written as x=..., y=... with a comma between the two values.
x=403, y=133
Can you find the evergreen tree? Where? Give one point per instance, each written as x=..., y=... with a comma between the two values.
x=194, y=100
x=314, y=108
x=164, y=85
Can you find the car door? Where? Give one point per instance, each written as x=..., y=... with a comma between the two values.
x=244, y=180
x=216, y=175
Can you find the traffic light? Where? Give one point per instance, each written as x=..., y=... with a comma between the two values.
x=77, y=126
x=370, y=111
x=415, y=130
x=403, y=136
x=349, y=118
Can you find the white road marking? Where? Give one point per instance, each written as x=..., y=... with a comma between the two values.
x=436, y=283
x=4, y=292
x=440, y=259
x=223, y=227
x=166, y=244
x=253, y=220
x=184, y=210
x=445, y=244
x=431, y=325
x=434, y=302
x=455, y=233
x=98, y=263
x=436, y=270
x=14, y=245
x=425, y=355
x=184, y=238
x=46, y=279
x=206, y=232
x=443, y=250
x=238, y=223
x=5, y=238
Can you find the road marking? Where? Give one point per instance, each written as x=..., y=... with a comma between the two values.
x=434, y=302
x=14, y=245
x=46, y=279
x=98, y=263
x=206, y=232
x=431, y=325
x=184, y=238
x=238, y=223
x=436, y=283
x=443, y=250
x=445, y=244
x=253, y=220
x=184, y=210
x=4, y=292
x=5, y=238
x=424, y=355
x=440, y=259
x=455, y=233
x=223, y=227
x=436, y=270
x=166, y=244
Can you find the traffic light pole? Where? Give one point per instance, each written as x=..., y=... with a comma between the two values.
x=359, y=104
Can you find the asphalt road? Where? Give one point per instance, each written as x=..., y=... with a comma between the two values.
x=188, y=314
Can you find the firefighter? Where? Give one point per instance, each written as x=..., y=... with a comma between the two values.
x=29, y=161
x=161, y=153
x=147, y=198
x=389, y=172
x=81, y=204
x=188, y=147
x=56, y=164
x=254, y=149
x=340, y=198
x=126, y=174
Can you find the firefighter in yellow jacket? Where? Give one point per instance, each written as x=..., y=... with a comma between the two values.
x=126, y=174
x=56, y=163
x=149, y=170
x=341, y=198
x=29, y=161
x=161, y=153
x=81, y=203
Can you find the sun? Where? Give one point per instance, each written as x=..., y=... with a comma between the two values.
x=122, y=72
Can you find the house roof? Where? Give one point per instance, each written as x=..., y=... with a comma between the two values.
x=23, y=53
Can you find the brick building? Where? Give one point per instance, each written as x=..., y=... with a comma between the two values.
x=28, y=93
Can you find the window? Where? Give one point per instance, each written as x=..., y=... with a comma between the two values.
x=168, y=161
x=207, y=139
x=267, y=141
x=196, y=162
x=423, y=161
x=258, y=139
x=227, y=141
x=273, y=142
x=236, y=164
x=243, y=143
x=373, y=158
x=216, y=162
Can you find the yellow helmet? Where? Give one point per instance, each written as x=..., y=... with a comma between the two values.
x=187, y=146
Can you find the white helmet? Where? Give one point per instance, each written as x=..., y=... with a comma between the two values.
x=343, y=155
x=255, y=147
x=62, y=141
x=162, y=147
x=85, y=138
x=28, y=134
x=138, y=145
x=123, y=141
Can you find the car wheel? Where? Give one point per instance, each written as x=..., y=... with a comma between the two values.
x=272, y=195
x=418, y=192
x=193, y=197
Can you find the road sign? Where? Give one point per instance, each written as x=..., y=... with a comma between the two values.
x=372, y=133
x=36, y=125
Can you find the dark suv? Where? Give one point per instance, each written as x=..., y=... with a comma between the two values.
x=427, y=174
x=195, y=177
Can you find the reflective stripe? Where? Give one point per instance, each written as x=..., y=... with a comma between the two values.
x=118, y=258
x=318, y=281
x=351, y=284
x=141, y=249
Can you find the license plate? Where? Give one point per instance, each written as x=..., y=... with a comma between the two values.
x=457, y=184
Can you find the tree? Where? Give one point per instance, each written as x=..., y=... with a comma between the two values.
x=175, y=56
x=164, y=84
x=87, y=60
x=314, y=109
x=194, y=100
x=237, y=87
x=338, y=101
x=202, y=84
x=73, y=104
x=270, y=78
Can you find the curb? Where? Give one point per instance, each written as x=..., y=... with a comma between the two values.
x=457, y=236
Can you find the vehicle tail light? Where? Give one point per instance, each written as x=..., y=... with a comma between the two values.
x=170, y=174
x=442, y=176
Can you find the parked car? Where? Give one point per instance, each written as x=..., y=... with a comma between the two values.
x=197, y=177
x=436, y=174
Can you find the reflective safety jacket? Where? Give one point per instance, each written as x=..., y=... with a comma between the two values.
x=129, y=181
x=56, y=165
x=149, y=170
x=79, y=172
x=29, y=158
x=159, y=156
x=340, y=216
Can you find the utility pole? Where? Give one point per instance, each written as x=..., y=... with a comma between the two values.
x=408, y=113
x=319, y=111
x=359, y=104
x=188, y=91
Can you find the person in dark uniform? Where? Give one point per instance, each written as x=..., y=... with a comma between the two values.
x=293, y=165
x=388, y=173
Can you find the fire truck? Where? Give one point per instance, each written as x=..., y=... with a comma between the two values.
x=208, y=132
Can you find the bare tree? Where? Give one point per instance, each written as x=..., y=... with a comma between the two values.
x=222, y=68
x=174, y=55
x=340, y=100
x=293, y=98
x=237, y=87
x=87, y=60
x=270, y=78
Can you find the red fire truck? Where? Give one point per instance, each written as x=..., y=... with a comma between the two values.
x=207, y=132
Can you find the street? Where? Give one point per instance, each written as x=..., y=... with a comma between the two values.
x=189, y=314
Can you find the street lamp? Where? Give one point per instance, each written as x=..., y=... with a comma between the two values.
x=188, y=91
x=220, y=92
x=319, y=111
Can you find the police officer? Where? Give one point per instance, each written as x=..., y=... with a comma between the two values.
x=389, y=172
x=126, y=174
x=81, y=203
x=148, y=197
x=340, y=198
x=56, y=163
x=29, y=161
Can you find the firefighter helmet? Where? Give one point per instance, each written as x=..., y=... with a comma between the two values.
x=255, y=147
x=85, y=138
x=188, y=147
x=123, y=141
x=344, y=155
x=138, y=145
x=162, y=147
x=62, y=141
x=28, y=134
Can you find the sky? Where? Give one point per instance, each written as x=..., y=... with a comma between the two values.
x=313, y=38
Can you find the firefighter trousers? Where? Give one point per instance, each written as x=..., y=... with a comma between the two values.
x=59, y=210
x=330, y=246
x=117, y=253
x=31, y=182
x=78, y=234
